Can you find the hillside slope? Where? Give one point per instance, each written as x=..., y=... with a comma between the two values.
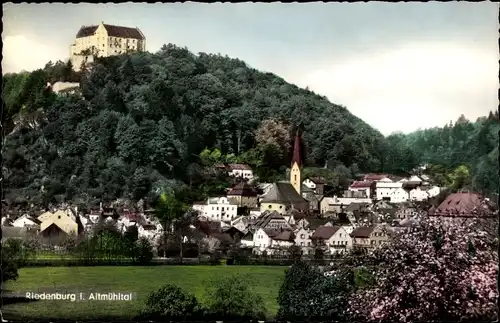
x=144, y=119
x=472, y=144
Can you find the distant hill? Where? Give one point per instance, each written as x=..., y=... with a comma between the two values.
x=144, y=119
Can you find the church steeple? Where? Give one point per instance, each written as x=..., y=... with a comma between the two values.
x=297, y=155
x=295, y=171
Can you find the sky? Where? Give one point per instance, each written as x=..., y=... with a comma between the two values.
x=398, y=66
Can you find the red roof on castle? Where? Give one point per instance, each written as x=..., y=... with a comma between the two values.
x=297, y=156
x=361, y=184
x=113, y=31
x=464, y=205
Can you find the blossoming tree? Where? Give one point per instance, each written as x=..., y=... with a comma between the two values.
x=439, y=271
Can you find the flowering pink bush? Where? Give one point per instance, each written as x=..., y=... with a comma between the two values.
x=438, y=272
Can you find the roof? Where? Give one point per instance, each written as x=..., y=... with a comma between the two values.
x=31, y=218
x=283, y=192
x=463, y=204
x=285, y=235
x=123, y=32
x=86, y=31
x=113, y=31
x=243, y=189
x=297, y=215
x=297, y=154
x=222, y=237
x=317, y=180
x=361, y=184
x=239, y=167
x=266, y=217
x=362, y=232
x=324, y=232
x=315, y=222
x=374, y=177
x=355, y=206
x=306, y=189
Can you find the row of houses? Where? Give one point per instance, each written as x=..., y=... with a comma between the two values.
x=273, y=232
x=56, y=224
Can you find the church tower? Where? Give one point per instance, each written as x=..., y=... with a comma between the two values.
x=295, y=171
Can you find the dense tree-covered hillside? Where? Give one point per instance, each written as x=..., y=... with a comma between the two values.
x=144, y=119
x=471, y=144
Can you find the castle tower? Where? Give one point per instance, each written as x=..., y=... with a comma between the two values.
x=295, y=172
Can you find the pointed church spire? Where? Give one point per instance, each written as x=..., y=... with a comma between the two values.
x=297, y=154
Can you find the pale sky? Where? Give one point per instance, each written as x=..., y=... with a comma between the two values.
x=397, y=66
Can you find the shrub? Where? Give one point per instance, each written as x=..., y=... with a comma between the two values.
x=144, y=253
x=215, y=258
x=233, y=298
x=170, y=302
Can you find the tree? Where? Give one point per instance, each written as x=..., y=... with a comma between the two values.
x=168, y=209
x=306, y=294
x=170, y=303
x=442, y=271
x=232, y=297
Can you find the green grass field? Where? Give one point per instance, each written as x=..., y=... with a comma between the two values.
x=139, y=280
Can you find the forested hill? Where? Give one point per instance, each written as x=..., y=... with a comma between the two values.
x=465, y=149
x=144, y=119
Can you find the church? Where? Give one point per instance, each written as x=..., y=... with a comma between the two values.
x=284, y=195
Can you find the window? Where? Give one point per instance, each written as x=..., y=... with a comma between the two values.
x=281, y=206
x=302, y=236
x=270, y=206
x=295, y=177
x=340, y=235
x=58, y=216
x=217, y=208
x=308, y=243
x=372, y=242
x=222, y=208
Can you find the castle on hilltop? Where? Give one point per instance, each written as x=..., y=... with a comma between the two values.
x=104, y=40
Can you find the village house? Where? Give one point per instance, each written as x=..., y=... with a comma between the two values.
x=335, y=239
x=247, y=241
x=432, y=191
x=217, y=209
x=262, y=240
x=59, y=224
x=418, y=194
x=316, y=184
x=368, y=187
x=385, y=188
x=376, y=178
x=399, y=195
x=368, y=237
x=405, y=211
x=313, y=198
x=281, y=241
x=240, y=171
x=26, y=220
x=303, y=240
x=272, y=220
x=243, y=195
x=337, y=204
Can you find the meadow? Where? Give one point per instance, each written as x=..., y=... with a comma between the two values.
x=126, y=279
